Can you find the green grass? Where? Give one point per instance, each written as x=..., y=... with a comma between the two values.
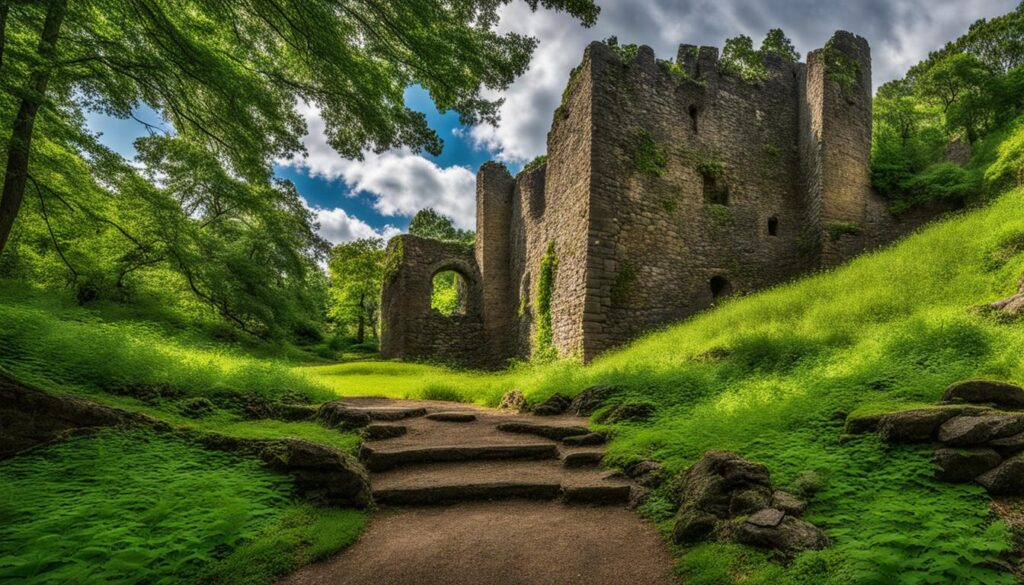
x=100, y=350
x=47, y=338
x=138, y=507
x=772, y=375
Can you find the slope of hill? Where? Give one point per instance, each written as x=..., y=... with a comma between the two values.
x=773, y=375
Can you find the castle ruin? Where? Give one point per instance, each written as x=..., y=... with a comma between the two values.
x=667, y=186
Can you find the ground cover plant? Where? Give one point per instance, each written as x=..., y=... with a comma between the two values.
x=773, y=375
x=129, y=507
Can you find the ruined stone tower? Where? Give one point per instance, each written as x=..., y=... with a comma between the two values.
x=667, y=186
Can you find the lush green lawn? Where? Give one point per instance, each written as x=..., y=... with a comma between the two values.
x=139, y=507
x=772, y=375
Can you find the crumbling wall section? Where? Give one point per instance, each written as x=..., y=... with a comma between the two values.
x=696, y=189
x=551, y=207
x=410, y=328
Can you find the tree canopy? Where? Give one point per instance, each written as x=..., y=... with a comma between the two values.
x=199, y=206
x=428, y=223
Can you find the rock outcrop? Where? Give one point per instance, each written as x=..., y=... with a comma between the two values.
x=30, y=417
x=724, y=496
x=978, y=434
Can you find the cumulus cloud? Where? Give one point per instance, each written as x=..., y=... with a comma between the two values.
x=337, y=226
x=400, y=181
x=901, y=33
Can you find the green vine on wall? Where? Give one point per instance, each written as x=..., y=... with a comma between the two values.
x=838, y=229
x=623, y=284
x=648, y=157
x=543, y=341
x=394, y=258
x=839, y=66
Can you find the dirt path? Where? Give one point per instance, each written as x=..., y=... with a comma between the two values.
x=491, y=500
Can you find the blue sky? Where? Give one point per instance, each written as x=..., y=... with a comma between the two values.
x=378, y=195
x=320, y=191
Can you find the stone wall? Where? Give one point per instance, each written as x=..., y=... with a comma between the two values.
x=726, y=208
x=666, y=189
x=410, y=328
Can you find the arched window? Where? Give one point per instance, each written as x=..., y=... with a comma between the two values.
x=693, y=117
x=448, y=293
x=720, y=287
x=773, y=226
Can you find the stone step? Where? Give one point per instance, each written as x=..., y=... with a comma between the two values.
x=475, y=480
x=377, y=432
x=389, y=413
x=583, y=458
x=596, y=494
x=382, y=459
x=587, y=439
x=441, y=494
x=554, y=432
x=456, y=417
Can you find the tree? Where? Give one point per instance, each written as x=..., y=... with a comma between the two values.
x=959, y=84
x=739, y=57
x=777, y=43
x=227, y=75
x=356, y=274
x=428, y=223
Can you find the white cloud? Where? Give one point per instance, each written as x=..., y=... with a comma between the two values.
x=901, y=33
x=337, y=226
x=400, y=181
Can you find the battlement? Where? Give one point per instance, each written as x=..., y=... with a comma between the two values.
x=668, y=186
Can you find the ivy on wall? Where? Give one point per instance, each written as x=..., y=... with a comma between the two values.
x=839, y=66
x=648, y=157
x=543, y=345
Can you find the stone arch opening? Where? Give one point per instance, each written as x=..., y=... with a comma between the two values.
x=449, y=293
x=773, y=226
x=720, y=287
x=693, y=117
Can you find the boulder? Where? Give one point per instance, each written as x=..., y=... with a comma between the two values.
x=693, y=526
x=720, y=477
x=766, y=518
x=858, y=425
x=999, y=394
x=963, y=465
x=513, y=400
x=589, y=400
x=30, y=416
x=787, y=538
x=921, y=424
x=788, y=503
x=322, y=474
x=975, y=430
x=649, y=474
x=554, y=405
x=338, y=414
x=1008, y=445
x=628, y=412
x=1006, y=479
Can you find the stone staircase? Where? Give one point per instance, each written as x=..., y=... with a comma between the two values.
x=422, y=453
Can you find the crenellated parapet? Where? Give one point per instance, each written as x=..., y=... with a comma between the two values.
x=668, y=186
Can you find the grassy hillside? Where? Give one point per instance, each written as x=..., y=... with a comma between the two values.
x=120, y=507
x=772, y=376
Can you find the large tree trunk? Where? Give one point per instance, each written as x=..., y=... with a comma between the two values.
x=16, y=175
